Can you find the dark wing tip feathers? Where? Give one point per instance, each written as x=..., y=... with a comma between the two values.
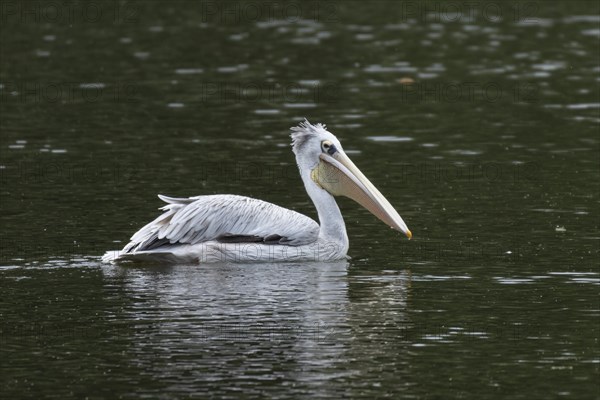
x=270, y=239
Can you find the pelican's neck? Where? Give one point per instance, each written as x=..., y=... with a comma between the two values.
x=332, y=226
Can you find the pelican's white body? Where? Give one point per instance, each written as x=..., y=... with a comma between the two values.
x=193, y=224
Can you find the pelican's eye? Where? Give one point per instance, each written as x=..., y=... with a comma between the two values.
x=328, y=147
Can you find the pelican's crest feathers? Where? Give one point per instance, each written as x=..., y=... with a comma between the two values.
x=303, y=132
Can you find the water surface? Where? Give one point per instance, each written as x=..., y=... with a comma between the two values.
x=481, y=129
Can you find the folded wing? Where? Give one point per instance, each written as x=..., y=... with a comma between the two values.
x=223, y=218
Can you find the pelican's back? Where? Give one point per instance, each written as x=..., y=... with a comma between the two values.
x=220, y=218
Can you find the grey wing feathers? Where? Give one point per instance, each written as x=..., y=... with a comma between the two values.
x=224, y=218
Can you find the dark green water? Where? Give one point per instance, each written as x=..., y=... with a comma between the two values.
x=491, y=156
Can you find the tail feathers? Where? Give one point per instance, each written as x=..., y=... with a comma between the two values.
x=176, y=200
x=111, y=256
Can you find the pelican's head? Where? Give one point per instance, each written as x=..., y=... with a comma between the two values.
x=320, y=152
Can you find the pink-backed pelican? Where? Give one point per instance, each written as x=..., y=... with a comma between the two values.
x=230, y=228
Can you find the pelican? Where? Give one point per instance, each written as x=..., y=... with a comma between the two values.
x=231, y=228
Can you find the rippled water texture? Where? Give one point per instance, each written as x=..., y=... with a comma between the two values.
x=478, y=122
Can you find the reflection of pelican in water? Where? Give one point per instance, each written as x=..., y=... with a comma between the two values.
x=235, y=228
